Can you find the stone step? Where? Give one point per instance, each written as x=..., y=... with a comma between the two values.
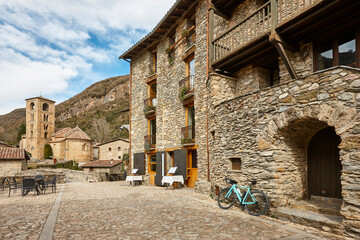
x=318, y=206
x=325, y=222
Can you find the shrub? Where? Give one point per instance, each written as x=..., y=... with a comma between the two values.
x=47, y=151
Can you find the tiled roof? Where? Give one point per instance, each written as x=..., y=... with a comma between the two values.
x=114, y=140
x=68, y=133
x=102, y=163
x=41, y=97
x=13, y=154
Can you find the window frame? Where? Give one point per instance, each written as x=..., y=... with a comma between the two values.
x=151, y=163
x=335, y=50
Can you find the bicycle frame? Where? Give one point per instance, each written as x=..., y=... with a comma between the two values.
x=241, y=199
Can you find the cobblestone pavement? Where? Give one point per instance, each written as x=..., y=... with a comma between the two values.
x=112, y=210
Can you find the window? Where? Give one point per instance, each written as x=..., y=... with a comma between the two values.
x=46, y=118
x=119, y=148
x=32, y=106
x=45, y=107
x=154, y=62
x=152, y=131
x=190, y=67
x=152, y=163
x=45, y=135
x=109, y=149
x=119, y=157
x=235, y=163
x=342, y=50
x=85, y=147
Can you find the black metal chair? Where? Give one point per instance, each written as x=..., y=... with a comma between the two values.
x=13, y=185
x=28, y=184
x=108, y=177
x=3, y=183
x=40, y=183
x=52, y=184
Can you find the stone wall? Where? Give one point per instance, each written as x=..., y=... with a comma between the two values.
x=269, y=130
x=76, y=150
x=10, y=167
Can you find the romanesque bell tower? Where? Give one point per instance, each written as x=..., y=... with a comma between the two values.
x=40, y=125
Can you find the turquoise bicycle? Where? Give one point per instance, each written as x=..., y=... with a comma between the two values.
x=255, y=202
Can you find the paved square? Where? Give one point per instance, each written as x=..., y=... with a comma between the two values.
x=112, y=210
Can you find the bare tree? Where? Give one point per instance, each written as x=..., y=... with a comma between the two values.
x=101, y=129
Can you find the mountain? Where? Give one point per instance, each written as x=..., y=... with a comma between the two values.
x=99, y=110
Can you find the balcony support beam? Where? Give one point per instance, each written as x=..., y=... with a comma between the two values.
x=275, y=39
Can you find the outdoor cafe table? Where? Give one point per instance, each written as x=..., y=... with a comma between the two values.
x=132, y=179
x=171, y=179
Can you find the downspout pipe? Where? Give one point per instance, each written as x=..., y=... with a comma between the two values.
x=130, y=89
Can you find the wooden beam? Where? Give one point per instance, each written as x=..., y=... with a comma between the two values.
x=274, y=38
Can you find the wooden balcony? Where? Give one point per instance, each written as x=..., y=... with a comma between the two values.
x=248, y=41
x=188, y=135
x=149, y=142
x=150, y=107
x=186, y=91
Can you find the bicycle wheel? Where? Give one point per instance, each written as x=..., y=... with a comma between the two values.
x=261, y=203
x=224, y=201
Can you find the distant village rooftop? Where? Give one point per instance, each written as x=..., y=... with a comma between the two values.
x=102, y=164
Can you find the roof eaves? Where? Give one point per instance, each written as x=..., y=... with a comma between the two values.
x=173, y=8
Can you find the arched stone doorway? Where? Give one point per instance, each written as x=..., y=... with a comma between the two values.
x=324, y=166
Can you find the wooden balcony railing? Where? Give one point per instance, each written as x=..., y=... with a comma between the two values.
x=187, y=135
x=149, y=142
x=259, y=23
x=186, y=85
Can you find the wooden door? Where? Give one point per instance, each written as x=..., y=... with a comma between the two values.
x=324, y=166
x=139, y=162
x=180, y=162
x=160, y=167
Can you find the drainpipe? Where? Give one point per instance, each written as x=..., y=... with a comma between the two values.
x=207, y=77
x=130, y=87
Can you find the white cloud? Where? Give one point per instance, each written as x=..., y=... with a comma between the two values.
x=47, y=46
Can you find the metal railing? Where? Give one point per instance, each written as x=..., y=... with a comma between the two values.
x=259, y=24
x=188, y=135
x=149, y=104
x=149, y=142
x=187, y=85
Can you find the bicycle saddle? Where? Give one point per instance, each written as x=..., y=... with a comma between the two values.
x=232, y=181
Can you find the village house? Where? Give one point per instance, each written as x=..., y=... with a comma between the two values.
x=12, y=161
x=67, y=143
x=265, y=90
x=113, y=149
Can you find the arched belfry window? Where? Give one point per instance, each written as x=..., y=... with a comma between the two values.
x=45, y=107
x=32, y=106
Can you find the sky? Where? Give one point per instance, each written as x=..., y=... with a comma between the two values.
x=58, y=48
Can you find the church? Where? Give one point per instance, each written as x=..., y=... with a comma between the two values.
x=67, y=143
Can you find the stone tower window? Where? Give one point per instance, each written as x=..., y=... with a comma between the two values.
x=109, y=149
x=32, y=106
x=85, y=147
x=45, y=135
x=46, y=117
x=46, y=127
x=32, y=117
x=45, y=107
x=119, y=148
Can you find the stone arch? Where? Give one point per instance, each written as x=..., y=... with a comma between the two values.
x=45, y=107
x=287, y=136
x=32, y=106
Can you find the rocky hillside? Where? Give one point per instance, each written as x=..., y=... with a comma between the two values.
x=99, y=110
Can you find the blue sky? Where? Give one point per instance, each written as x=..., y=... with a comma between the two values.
x=58, y=48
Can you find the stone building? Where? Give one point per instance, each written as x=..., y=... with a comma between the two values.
x=72, y=144
x=103, y=166
x=113, y=149
x=274, y=92
x=12, y=160
x=40, y=125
